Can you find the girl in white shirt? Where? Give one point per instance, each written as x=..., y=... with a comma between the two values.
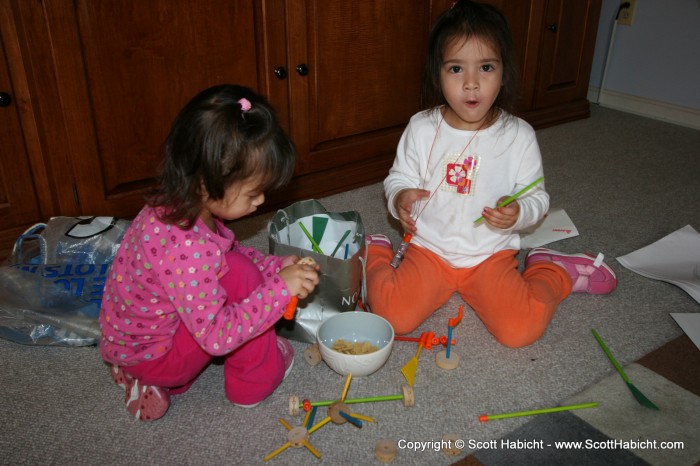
x=465, y=153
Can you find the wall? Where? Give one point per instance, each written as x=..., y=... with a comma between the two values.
x=654, y=65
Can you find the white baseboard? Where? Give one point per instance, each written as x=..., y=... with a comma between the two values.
x=671, y=113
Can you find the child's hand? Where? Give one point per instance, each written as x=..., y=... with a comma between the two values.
x=289, y=260
x=300, y=279
x=404, y=206
x=502, y=217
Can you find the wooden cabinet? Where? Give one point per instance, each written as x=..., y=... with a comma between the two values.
x=352, y=80
x=557, y=60
x=19, y=204
x=98, y=84
x=109, y=78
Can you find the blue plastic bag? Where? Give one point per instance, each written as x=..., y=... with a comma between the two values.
x=51, y=286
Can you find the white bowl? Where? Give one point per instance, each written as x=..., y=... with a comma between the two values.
x=355, y=327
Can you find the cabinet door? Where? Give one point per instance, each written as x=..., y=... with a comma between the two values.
x=566, y=51
x=19, y=204
x=118, y=73
x=355, y=77
x=519, y=15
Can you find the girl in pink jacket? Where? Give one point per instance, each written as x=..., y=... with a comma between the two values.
x=181, y=290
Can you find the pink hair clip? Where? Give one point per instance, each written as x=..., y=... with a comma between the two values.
x=245, y=104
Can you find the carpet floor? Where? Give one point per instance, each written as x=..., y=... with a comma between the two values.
x=624, y=180
x=620, y=430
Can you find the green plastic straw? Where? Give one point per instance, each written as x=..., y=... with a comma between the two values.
x=356, y=400
x=345, y=235
x=507, y=201
x=491, y=417
x=641, y=398
x=314, y=244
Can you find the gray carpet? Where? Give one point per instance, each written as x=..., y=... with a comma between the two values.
x=625, y=181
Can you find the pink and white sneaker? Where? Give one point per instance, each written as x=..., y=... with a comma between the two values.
x=378, y=240
x=589, y=274
x=144, y=402
x=147, y=402
x=287, y=356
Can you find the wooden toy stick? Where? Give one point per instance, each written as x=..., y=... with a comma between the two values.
x=306, y=419
x=350, y=419
x=310, y=418
x=347, y=387
x=277, y=452
x=308, y=446
x=320, y=424
x=285, y=424
x=298, y=437
x=362, y=417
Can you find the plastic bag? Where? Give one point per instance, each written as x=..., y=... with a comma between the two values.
x=36, y=310
x=70, y=240
x=51, y=286
x=340, y=236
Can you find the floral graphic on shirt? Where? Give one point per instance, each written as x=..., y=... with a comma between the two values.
x=460, y=173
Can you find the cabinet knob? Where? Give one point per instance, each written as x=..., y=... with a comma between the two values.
x=302, y=69
x=281, y=72
x=5, y=99
x=553, y=27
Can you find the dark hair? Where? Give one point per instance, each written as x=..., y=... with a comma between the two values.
x=467, y=19
x=216, y=141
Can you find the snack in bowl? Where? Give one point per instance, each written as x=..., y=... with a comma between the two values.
x=356, y=332
x=357, y=347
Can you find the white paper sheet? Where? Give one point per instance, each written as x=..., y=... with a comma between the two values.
x=334, y=232
x=555, y=226
x=675, y=258
x=690, y=323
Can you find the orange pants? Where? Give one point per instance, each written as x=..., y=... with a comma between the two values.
x=516, y=308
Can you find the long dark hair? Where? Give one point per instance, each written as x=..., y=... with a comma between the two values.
x=467, y=19
x=224, y=135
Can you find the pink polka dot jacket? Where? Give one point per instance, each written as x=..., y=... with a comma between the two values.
x=164, y=276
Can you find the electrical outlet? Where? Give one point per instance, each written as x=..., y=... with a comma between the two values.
x=627, y=14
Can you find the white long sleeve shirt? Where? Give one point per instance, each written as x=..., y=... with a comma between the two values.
x=500, y=160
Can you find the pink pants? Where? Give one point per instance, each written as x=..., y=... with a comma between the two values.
x=251, y=372
x=515, y=308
